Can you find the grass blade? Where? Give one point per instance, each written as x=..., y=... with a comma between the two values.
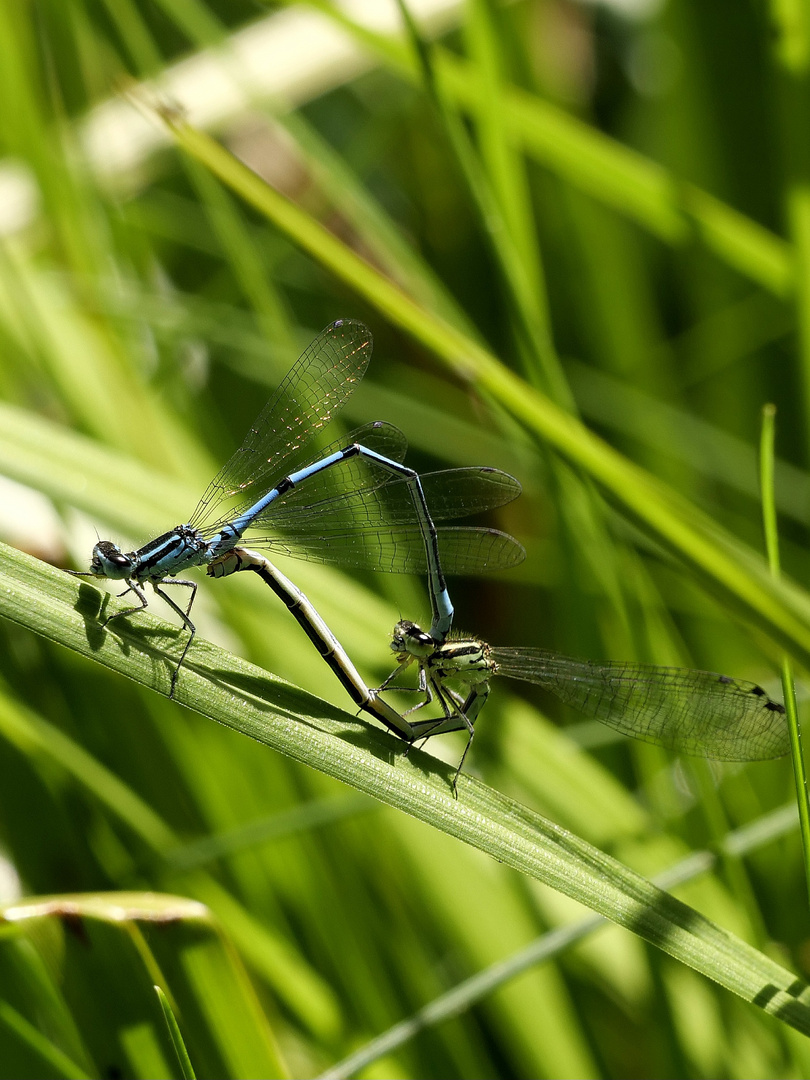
x=255, y=703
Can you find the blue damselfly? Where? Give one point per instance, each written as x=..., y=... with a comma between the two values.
x=370, y=511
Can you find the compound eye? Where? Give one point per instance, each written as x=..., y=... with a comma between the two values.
x=106, y=548
x=109, y=561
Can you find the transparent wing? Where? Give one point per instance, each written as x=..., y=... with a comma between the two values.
x=696, y=712
x=402, y=549
x=364, y=494
x=317, y=386
x=330, y=486
x=357, y=514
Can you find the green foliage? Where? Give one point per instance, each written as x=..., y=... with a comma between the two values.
x=551, y=222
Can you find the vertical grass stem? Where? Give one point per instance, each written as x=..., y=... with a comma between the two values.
x=766, y=464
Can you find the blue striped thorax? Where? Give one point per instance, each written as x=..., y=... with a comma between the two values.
x=166, y=556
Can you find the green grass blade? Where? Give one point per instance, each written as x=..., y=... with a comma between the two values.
x=617, y=176
x=103, y=954
x=791, y=48
x=788, y=688
x=246, y=699
x=549, y=946
x=177, y=1039
x=26, y=1050
x=519, y=276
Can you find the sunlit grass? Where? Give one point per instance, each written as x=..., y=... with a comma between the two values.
x=580, y=279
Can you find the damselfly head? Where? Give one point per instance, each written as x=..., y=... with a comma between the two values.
x=408, y=639
x=109, y=561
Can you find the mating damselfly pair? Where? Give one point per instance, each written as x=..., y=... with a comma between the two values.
x=356, y=504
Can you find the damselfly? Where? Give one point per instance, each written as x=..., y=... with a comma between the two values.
x=370, y=512
x=695, y=712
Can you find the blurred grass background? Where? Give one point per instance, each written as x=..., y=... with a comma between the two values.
x=617, y=211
